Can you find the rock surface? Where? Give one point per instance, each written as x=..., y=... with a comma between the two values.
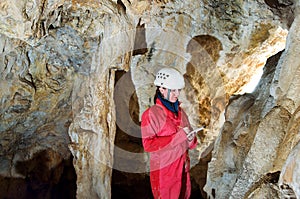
x=58, y=90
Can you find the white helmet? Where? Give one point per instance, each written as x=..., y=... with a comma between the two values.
x=169, y=78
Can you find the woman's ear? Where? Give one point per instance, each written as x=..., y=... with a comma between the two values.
x=161, y=90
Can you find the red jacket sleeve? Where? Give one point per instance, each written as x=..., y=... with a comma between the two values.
x=193, y=144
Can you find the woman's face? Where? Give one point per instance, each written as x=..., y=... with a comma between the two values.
x=173, y=96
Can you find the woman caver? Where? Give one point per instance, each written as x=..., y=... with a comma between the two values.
x=165, y=133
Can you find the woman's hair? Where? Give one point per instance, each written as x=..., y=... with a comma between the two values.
x=157, y=92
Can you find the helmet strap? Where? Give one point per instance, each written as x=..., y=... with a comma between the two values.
x=168, y=96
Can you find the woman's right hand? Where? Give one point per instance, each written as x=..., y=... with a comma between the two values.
x=189, y=134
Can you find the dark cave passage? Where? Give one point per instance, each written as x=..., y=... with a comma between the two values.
x=41, y=181
x=128, y=184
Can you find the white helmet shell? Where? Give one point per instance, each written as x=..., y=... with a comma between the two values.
x=169, y=78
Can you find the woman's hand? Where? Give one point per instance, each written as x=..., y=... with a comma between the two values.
x=189, y=134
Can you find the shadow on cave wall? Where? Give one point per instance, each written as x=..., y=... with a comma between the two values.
x=40, y=179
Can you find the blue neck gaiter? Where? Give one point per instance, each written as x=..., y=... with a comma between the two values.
x=169, y=105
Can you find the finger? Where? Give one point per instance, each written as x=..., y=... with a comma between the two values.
x=192, y=133
x=190, y=139
x=186, y=130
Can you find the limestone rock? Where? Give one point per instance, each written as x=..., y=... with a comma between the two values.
x=58, y=63
x=254, y=145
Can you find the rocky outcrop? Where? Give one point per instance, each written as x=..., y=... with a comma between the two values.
x=58, y=89
x=256, y=153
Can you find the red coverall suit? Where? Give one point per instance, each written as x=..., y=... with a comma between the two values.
x=164, y=138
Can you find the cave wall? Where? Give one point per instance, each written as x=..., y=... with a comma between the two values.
x=57, y=86
x=256, y=153
x=58, y=62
